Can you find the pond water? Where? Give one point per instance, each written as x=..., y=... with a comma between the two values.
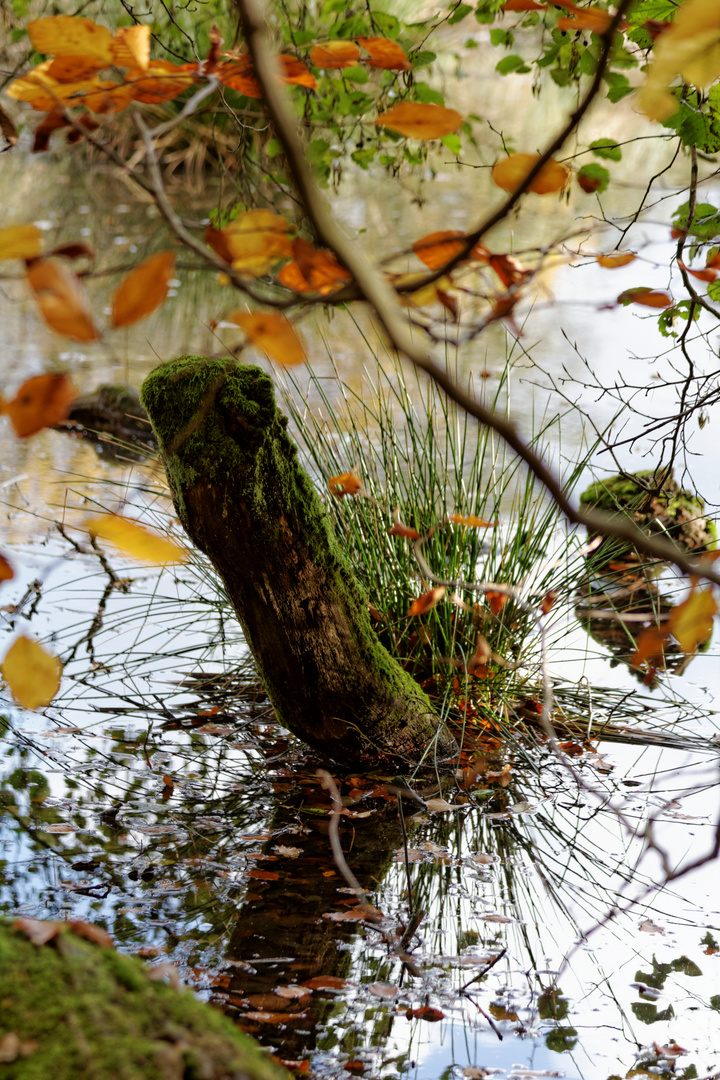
x=158, y=797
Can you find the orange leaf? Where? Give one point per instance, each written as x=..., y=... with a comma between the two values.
x=508, y=269
x=70, y=69
x=20, y=242
x=691, y=622
x=295, y=72
x=496, y=601
x=334, y=54
x=6, y=571
x=218, y=242
x=611, y=262
x=523, y=5
x=70, y=35
x=472, y=521
x=135, y=540
x=32, y=673
x=348, y=483
x=273, y=334
x=435, y=249
x=399, y=528
x=649, y=647
x=427, y=601
x=586, y=19
x=41, y=402
x=385, y=54
x=652, y=298
x=426, y=1012
x=417, y=121
x=319, y=267
x=238, y=73
x=162, y=80
x=708, y=274
x=61, y=299
x=713, y=261
x=143, y=290
x=509, y=174
x=548, y=602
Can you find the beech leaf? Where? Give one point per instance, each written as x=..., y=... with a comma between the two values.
x=32, y=673
x=385, y=54
x=438, y=248
x=427, y=600
x=418, y=121
x=509, y=174
x=620, y=258
x=42, y=401
x=334, y=54
x=272, y=333
x=143, y=290
x=348, y=483
x=62, y=300
x=135, y=540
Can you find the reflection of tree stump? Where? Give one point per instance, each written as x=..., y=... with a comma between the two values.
x=73, y=1008
x=245, y=501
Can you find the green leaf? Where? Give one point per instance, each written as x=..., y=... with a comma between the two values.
x=670, y=316
x=653, y=9
x=705, y=224
x=713, y=290
x=422, y=58
x=355, y=74
x=499, y=36
x=511, y=63
x=426, y=94
x=364, y=158
x=453, y=143
x=593, y=178
x=619, y=85
x=606, y=148
x=587, y=63
x=459, y=13
x=273, y=148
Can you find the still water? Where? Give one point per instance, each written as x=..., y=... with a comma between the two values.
x=156, y=795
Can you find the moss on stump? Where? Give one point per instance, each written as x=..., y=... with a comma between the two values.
x=244, y=499
x=74, y=1008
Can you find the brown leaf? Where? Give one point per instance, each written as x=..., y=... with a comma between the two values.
x=61, y=299
x=334, y=54
x=708, y=274
x=548, y=602
x=8, y=129
x=383, y=990
x=272, y=333
x=143, y=290
x=325, y=982
x=42, y=401
x=6, y=571
x=427, y=601
x=496, y=601
x=652, y=298
x=385, y=54
x=418, y=121
x=427, y=1012
x=509, y=174
x=399, y=528
x=161, y=81
x=93, y=933
x=438, y=248
x=320, y=270
x=264, y=875
x=37, y=930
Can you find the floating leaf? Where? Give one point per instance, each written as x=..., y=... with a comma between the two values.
x=20, y=242
x=691, y=622
x=62, y=300
x=427, y=601
x=438, y=248
x=472, y=521
x=273, y=334
x=509, y=174
x=646, y=297
x=38, y=930
x=426, y=1012
x=417, y=121
x=143, y=290
x=348, y=483
x=621, y=258
x=32, y=673
x=42, y=401
x=134, y=539
x=334, y=54
x=385, y=54
x=325, y=982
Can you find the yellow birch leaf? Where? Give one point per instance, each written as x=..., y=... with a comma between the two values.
x=134, y=539
x=691, y=622
x=32, y=673
x=70, y=35
x=273, y=334
x=417, y=121
x=20, y=242
x=143, y=290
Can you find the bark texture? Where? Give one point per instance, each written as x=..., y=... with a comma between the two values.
x=244, y=499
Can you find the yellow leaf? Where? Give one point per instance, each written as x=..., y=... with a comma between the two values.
x=62, y=300
x=273, y=334
x=620, y=258
x=143, y=290
x=691, y=622
x=473, y=522
x=70, y=35
x=256, y=241
x=509, y=174
x=417, y=121
x=131, y=48
x=20, y=242
x=136, y=540
x=32, y=673
x=690, y=48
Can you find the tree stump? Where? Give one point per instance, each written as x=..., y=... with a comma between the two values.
x=244, y=499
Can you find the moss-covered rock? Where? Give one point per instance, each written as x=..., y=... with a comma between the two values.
x=72, y=1008
x=657, y=504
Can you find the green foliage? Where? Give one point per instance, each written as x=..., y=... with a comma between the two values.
x=680, y=311
x=606, y=148
x=594, y=177
x=705, y=224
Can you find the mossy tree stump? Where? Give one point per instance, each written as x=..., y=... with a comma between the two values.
x=244, y=500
